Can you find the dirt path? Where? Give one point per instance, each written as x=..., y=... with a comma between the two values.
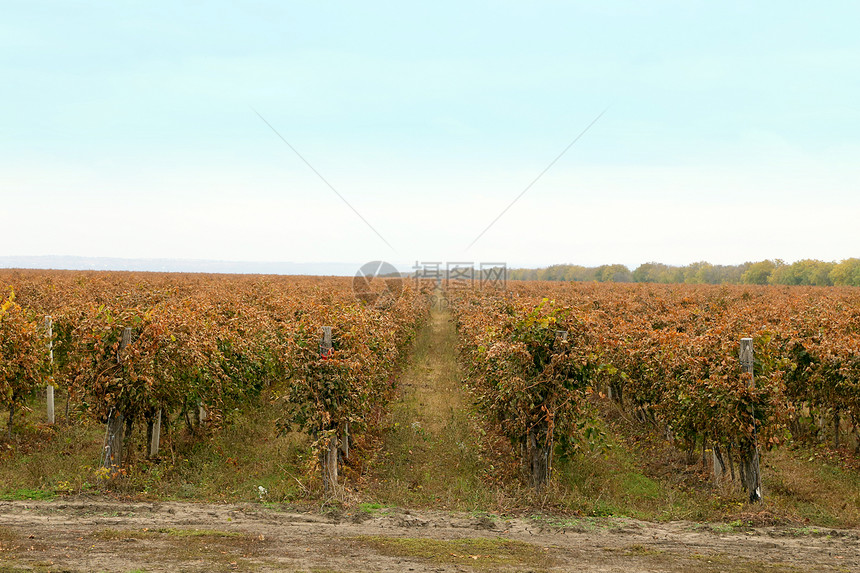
x=96, y=535
x=430, y=452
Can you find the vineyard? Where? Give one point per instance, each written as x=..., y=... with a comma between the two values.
x=178, y=352
x=538, y=354
x=154, y=357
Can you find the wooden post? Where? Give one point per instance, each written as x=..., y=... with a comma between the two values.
x=836, y=423
x=123, y=344
x=328, y=463
x=538, y=461
x=49, y=330
x=114, y=437
x=344, y=443
x=719, y=463
x=328, y=456
x=331, y=464
x=156, y=435
x=113, y=442
x=750, y=469
x=325, y=342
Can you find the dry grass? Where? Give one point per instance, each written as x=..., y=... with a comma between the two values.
x=647, y=477
x=481, y=554
x=146, y=533
x=812, y=490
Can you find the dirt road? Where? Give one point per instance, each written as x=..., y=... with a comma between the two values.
x=101, y=535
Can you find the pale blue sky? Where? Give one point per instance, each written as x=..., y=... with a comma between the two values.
x=732, y=131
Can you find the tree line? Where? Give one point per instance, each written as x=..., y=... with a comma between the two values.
x=809, y=272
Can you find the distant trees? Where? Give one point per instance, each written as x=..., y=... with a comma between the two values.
x=808, y=272
x=805, y=272
x=658, y=273
x=846, y=273
x=575, y=273
x=758, y=273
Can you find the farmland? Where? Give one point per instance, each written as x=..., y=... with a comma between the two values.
x=550, y=408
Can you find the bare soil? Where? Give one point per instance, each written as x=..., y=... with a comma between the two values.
x=104, y=535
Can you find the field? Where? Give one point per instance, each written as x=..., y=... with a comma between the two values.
x=542, y=426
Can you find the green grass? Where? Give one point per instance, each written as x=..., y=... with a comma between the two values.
x=43, y=462
x=640, y=475
x=431, y=455
x=614, y=481
x=31, y=494
x=373, y=508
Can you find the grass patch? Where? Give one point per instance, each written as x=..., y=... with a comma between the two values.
x=114, y=534
x=30, y=568
x=373, y=508
x=616, y=481
x=222, y=466
x=479, y=553
x=30, y=494
x=222, y=550
x=580, y=524
x=44, y=461
x=810, y=490
x=643, y=476
x=731, y=527
x=432, y=454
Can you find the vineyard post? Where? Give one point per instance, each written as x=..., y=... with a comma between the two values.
x=113, y=439
x=344, y=444
x=328, y=455
x=719, y=462
x=156, y=435
x=750, y=470
x=49, y=331
x=325, y=343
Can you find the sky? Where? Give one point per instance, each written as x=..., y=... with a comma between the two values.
x=348, y=132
